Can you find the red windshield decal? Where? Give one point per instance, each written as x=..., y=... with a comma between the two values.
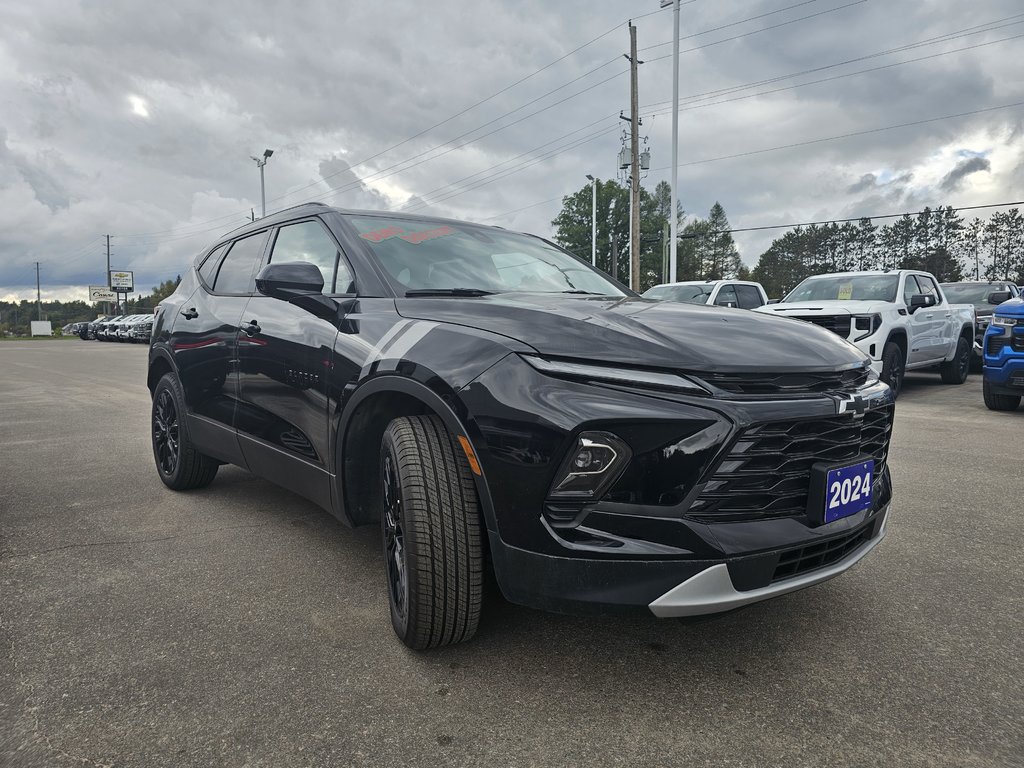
x=379, y=235
x=427, y=234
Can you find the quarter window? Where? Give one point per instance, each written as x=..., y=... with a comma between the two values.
x=208, y=269
x=236, y=271
x=307, y=241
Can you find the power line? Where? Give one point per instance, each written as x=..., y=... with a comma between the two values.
x=839, y=77
x=945, y=37
x=395, y=168
x=432, y=127
x=845, y=135
x=861, y=218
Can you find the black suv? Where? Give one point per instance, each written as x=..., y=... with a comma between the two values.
x=494, y=403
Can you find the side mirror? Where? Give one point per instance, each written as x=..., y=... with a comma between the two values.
x=299, y=283
x=289, y=280
x=998, y=297
x=774, y=301
x=919, y=300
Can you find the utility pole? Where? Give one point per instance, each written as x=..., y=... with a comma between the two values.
x=107, y=280
x=634, y=192
x=673, y=216
x=39, y=300
x=615, y=259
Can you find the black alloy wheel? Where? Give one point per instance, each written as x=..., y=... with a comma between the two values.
x=956, y=370
x=432, y=532
x=165, y=432
x=893, y=367
x=179, y=463
x=394, y=543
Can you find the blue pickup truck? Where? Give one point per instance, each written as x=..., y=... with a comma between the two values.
x=1004, y=357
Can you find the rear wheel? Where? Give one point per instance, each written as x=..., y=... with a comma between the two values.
x=893, y=367
x=180, y=465
x=433, y=536
x=955, y=371
x=996, y=402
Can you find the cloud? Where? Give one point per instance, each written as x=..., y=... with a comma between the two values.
x=952, y=180
x=137, y=119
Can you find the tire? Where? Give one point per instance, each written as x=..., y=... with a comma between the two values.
x=955, y=371
x=893, y=367
x=996, y=402
x=432, y=534
x=180, y=465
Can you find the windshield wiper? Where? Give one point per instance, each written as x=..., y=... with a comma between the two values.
x=447, y=292
x=585, y=293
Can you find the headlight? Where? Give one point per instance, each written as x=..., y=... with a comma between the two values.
x=865, y=325
x=630, y=376
x=591, y=466
x=1004, y=322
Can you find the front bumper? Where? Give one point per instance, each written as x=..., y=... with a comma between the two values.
x=678, y=588
x=713, y=591
x=714, y=481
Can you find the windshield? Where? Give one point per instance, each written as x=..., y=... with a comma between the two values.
x=846, y=288
x=426, y=256
x=969, y=293
x=691, y=294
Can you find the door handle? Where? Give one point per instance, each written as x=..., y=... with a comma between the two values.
x=190, y=313
x=252, y=328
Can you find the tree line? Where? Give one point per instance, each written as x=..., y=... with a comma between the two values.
x=936, y=240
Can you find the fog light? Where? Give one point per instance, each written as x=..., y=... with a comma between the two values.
x=593, y=463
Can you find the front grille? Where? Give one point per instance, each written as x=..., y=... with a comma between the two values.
x=820, y=554
x=787, y=383
x=995, y=345
x=1018, y=342
x=838, y=324
x=766, y=473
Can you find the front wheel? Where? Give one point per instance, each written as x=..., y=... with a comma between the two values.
x=996, y=402
x=433, y=536
x=892, y=367
x=955, y=371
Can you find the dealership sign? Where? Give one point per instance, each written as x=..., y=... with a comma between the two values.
x=101, y=293
x=122, y=282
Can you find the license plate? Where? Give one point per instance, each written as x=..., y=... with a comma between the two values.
x=848, y=490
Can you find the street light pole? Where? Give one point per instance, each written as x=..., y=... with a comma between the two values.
x=673, y=216
x=593, y=220
x=263, y=189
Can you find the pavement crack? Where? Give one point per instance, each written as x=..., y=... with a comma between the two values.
x=129, y=542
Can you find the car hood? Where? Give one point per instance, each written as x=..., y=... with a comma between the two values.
x=806, y=308
x=644, y=332
x=1011, y=308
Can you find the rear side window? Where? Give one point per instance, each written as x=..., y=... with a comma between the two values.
x=208, y=269
x=749, y=296
x=236, y=271
x=308, y=241
x=727, y=296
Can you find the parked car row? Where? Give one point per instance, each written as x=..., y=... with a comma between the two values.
x=131, y=328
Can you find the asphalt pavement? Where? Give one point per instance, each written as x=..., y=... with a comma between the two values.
x=242, y=626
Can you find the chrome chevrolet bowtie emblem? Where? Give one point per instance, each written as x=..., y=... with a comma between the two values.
x=854, y=404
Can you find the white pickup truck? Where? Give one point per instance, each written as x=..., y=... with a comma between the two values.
x=900, y=318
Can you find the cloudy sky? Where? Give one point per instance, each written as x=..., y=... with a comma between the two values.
x=138, y=119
